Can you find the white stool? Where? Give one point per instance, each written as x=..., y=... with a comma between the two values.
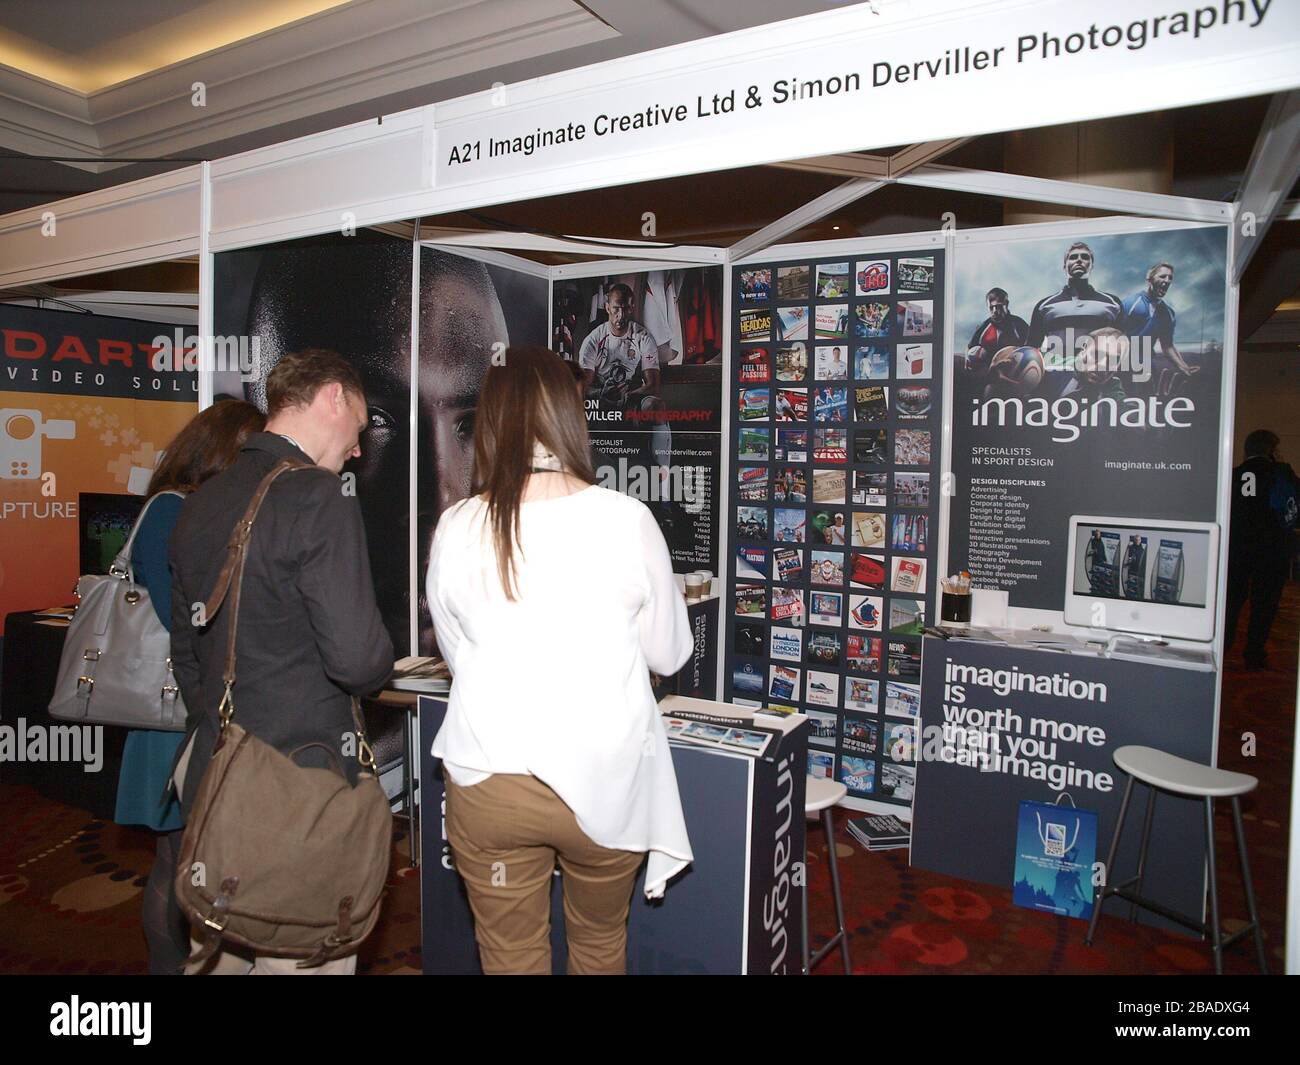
x=822, y=796
x=1166, y=772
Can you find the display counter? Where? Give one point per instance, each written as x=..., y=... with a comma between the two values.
x=735, y=909
x=1006, y=722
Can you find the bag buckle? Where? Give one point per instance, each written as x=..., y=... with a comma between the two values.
x=227, y=709
x=91, y=655
x=217, y=926
x=89, y=682
x=169, y=691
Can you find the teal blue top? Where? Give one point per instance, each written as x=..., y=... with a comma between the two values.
x=149, y=754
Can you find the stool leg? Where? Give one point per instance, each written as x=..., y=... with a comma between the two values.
x=807, y=947
x=1142, y=852
x=1110, y=864
x=1246, y=882
x=828, y=821
x=1214, y=887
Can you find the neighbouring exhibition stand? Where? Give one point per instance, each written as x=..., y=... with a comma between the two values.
x=838, y=425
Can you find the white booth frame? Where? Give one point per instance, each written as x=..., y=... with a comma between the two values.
x=380, y=173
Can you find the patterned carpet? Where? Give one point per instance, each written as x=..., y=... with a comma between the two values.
x=70, y=888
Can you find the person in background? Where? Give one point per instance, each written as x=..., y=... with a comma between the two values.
x=206, y=446
x=1260, y=543
x=553, y=748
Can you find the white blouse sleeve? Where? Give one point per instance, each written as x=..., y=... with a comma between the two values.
x=446, y=627
x=666, y=639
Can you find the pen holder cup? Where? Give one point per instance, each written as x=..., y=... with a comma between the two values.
x=955, y=608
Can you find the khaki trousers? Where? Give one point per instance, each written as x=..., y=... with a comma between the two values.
x=507, y=834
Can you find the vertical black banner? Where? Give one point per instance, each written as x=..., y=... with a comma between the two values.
x=836, y=391
x=649, y=345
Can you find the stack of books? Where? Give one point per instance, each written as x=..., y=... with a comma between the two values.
x=880, y=832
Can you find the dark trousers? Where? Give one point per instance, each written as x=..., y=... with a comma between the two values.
x=1260, y=578
x=165, y=929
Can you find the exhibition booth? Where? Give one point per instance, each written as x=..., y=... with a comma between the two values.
x=834, y=427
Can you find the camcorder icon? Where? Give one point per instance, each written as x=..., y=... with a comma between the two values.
x=21, y=432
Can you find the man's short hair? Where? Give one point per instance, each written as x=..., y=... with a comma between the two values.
x=618, y=286
x=1152, y=272
x=1261, y=443
x=1074, y=247
x=1001, y=294
x=301, y=374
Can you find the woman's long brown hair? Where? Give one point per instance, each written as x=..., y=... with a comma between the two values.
x=527, y=399
x=206, y=446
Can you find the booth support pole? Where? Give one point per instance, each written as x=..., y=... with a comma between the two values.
x=413, y=414
x=722, y=492
x=946, y=486
x=1293, y=866
x=206, y=367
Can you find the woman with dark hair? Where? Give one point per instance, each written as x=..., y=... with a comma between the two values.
x=205, y=447
x=552, y=599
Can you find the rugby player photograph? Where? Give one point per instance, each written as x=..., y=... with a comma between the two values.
x=1147, y=315
x=1066, y=316
x=1001, y=329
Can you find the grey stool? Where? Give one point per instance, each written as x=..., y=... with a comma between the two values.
x=821, y=797
x=1165, y=772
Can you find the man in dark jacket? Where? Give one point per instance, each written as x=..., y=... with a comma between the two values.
x=1259, y=544
x=310, y=634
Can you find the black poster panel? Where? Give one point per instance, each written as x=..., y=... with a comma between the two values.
x=837, y=402
x=649, y=345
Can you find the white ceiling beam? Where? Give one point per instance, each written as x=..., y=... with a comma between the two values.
x=1046, y=190
x=846, y=165
x=492, y=256
x=573, y=245
x=919, y=155
x=1270, y=176
x=803, y=216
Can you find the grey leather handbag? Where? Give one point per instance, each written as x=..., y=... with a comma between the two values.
x=116, y=666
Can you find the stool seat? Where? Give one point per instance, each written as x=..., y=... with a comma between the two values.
x=822, y=793
x=1179, y=775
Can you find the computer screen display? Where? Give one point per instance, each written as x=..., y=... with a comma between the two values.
x=1144, y=563
x=1141, y=576
x=104, y=521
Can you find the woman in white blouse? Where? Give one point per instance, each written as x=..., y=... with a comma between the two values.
x=552, y=599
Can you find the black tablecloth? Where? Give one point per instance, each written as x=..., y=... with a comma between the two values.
x=31, y=663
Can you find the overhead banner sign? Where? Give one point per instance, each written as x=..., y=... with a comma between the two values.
x=922, y=71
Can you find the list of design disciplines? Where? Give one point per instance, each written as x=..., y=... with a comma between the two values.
x=1001, y=553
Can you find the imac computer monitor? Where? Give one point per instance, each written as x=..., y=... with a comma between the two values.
x=1143, y=576
x=105, y=522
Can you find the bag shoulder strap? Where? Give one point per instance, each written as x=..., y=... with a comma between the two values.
x=122, y=562
x=230, y=579
x=230, y=583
